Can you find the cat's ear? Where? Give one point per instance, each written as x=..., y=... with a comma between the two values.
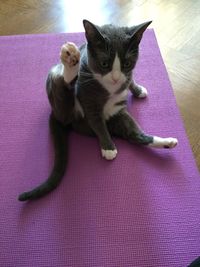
x=136, y=32
x=92, y=32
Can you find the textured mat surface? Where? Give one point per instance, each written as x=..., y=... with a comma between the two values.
x=142, y=209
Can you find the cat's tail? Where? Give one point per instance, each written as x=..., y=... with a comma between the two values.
x=58, y=133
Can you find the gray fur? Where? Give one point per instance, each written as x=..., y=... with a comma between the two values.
x=103, y=43
x=79, y=104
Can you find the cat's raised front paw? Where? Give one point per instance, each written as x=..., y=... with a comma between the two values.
x=70, y=54
x=109, y=154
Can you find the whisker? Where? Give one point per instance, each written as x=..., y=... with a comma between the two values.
x=84, y=81
x=81, y=73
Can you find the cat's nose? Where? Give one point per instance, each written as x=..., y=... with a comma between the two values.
x=116, y=76
x=115, y=80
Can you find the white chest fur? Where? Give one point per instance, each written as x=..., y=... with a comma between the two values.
x=110, y=108
x=112, y=82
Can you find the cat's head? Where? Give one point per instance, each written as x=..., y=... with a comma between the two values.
x=113, y=51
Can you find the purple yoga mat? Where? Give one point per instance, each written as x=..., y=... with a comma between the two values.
x=140, y=210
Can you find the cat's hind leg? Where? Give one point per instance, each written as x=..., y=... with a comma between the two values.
x=124, y=126
x=160, y=142
x=137, y=90
x=70, y=58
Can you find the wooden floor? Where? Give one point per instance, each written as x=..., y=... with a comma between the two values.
x=177, y=26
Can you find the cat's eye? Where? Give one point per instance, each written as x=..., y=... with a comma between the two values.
x=127, y=64
x=104, y=64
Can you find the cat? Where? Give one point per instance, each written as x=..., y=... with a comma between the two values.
x=88, y=92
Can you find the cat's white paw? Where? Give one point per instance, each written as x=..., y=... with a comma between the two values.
x=138, y=91
x=109, y=154
x=164, y=142
x=143, y=92
x=70, y=57
x=69, y=54
x=171, y=142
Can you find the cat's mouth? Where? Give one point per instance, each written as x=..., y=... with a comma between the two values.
x=114, y=82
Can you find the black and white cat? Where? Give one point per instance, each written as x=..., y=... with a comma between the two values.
x=88, y=93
